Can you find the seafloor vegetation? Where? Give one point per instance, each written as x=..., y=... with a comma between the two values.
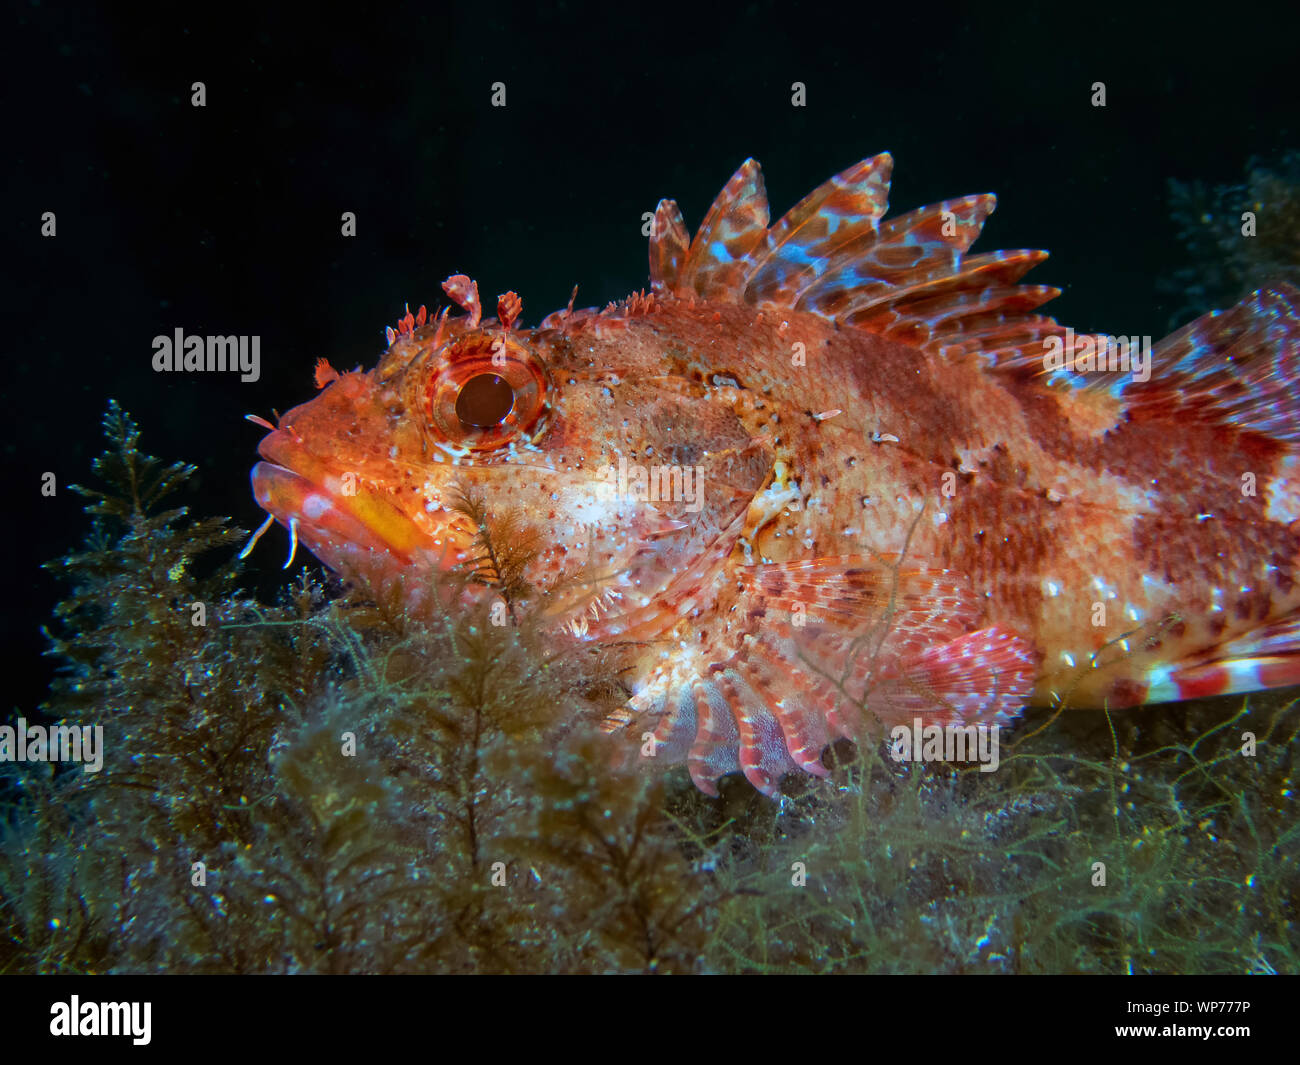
x=480, y=824
x=1229, y=255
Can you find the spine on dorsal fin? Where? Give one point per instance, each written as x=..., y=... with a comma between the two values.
x=720, y=256
x=669, y=243
x=1239, y=368
x=832, y=255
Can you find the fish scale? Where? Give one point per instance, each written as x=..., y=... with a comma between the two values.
x=903, y=511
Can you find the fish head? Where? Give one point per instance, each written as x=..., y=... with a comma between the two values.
x=558, y=467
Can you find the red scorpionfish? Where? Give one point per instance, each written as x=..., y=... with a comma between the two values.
x=834, y=473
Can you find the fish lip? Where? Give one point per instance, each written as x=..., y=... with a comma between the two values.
x=279, y=446
x=345, y=532
x=297, y=501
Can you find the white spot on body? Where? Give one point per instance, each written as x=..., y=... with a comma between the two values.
x=1282, y=495
x=1160, y=686
x=315, y=506
x=1244, y=674
x=1107, y=591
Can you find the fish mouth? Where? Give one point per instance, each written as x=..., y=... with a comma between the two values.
x=351, y=532
x=313, y=514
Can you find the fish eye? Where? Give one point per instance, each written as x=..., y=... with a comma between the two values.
x=484, y=401
x=483, y=391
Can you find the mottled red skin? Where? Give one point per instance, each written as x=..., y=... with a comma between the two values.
x=1130, y=491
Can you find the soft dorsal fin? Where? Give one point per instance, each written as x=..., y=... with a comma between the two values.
x=1239, y=367
x=832, y=255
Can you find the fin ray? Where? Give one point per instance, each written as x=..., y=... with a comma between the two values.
x=836, y=647
x=669, y=244
x=734, y=227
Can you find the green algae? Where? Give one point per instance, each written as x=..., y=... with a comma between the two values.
x=326, y=784
x=1237, y=237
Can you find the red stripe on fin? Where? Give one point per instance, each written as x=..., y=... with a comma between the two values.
x=1233, y=676
x=716, y=749
x=1267, y=657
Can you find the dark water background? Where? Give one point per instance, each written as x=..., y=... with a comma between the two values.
x=225, y=219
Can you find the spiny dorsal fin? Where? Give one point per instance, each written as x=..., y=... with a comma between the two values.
x=831, y=217
x=831, y=255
